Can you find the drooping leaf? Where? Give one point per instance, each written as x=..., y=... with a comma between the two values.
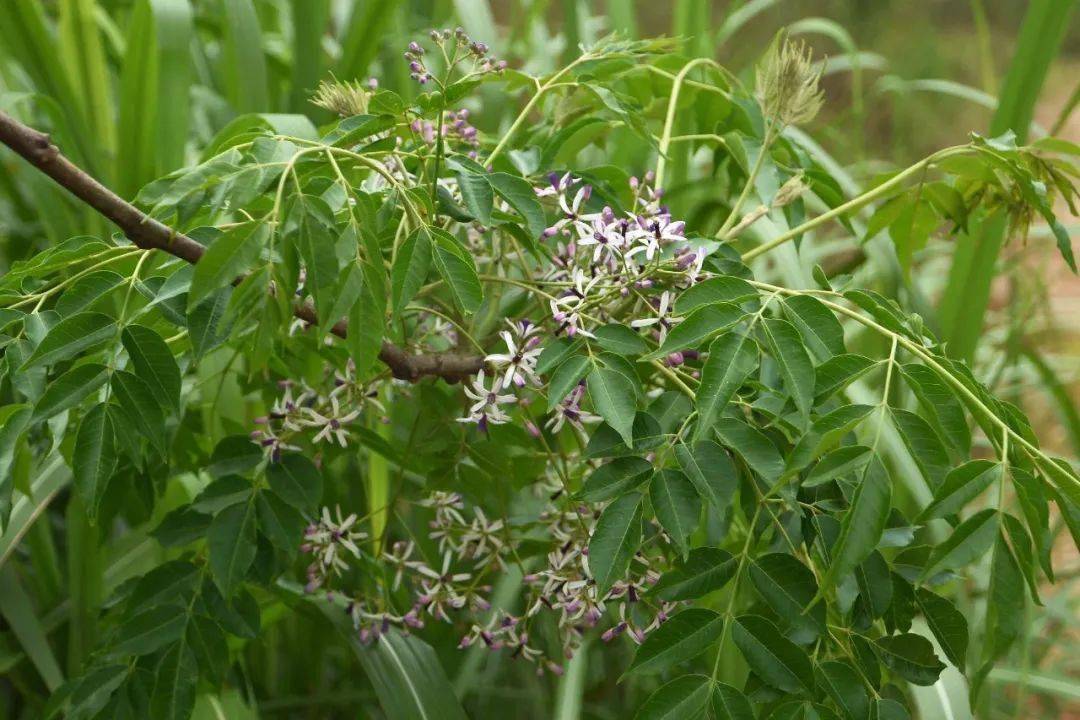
x=230, y=255
x=796, y=368
x=297, y=481
x=231, y=542
x=676, y=505
x=910, y=656
x=863, y=523
x=615, y=540
x=960, y=487
x=175, y=681
x=153, y=363
x=948, y=624
x=819, y=327
x=788, y=587
x=615, y=399
x=729, y=703
x=775, y=659
x=843, y=684
x=70, y=389
x=94, y=457
x=710, y=470
x=732, y=357
x=411, y=266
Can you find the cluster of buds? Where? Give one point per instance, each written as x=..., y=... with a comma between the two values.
x=417, y=68
x=455, y=127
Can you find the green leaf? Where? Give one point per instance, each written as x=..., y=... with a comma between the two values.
x=411, y=267
x=753, y=446
x=838, y=372
x=844, y=686
x=732, y=357
x=231, y=542
x=477, y=193
x=676, y=505
x=789, y=588
x=151, y=630
x=820, y=329
x=725, y=288
x=519, y=194
x=948, y=624
x=863, y=523
x=617, y=477
x=154, y=363
x=685, y=635
x=838, y=463
x=701, y=324
x=209, y=645
x=1005, y=605
x=621, y=340
x=93, y=691
x=925, y=446
x=297, y=481
x=137, y=400
x=940, y=405
x=614, y=541
x=710, y=470
x=911, y=657
x=969, y=541
x=615, y=399
x=705, y=569
x=729, y=703
x=69, y=337
x=565, y=378
x=206, y=325
x=775, y=659
x=69, y=390
x=315, y=238
x=175, y=680
x=961, y=486
x=280, y=523
x=94, y=457
x=684, y=698
x=826, y=432
x=229, y=256
x=797, y=370
x=458, y=270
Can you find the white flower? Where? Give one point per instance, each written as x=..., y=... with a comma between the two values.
x=662, y=318
x=521, y=354
x=485, y=408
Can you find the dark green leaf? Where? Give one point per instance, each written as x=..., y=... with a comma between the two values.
x=615, y=399
x=229, y=256
x=845, y=687
x=700, y=325
x=614, y=541
x=297, y=481
x=819, y=327
x=960, y=487
x=617, y=477
x=788, y=587
x=684, y=698
x=775, y=659
x=69, y=390
x=175, y=681
x=231, y=542
x=94, y=457
x=151, y=630
x=728, y=703
x=732, y=357
x=153, y=362
x=411, y=267
x=968, y=542
x=948, y=624
x=69, y=337
x=863, y=523
x=706, y=569
x=710, y=470
x=685, y=635
x=565, y=378
x=621, y=340
x=796, y=368
x=911, y=657
x=676, y=505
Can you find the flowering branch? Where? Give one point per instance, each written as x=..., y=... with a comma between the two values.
x=149, y=234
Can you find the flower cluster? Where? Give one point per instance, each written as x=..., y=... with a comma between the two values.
x=301, y=409
x=456, y=47
x=470, y=549
x=455, y=127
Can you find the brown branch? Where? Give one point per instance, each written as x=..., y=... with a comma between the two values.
x=147, y=233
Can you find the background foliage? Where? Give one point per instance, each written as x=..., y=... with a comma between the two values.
x=132, y=91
